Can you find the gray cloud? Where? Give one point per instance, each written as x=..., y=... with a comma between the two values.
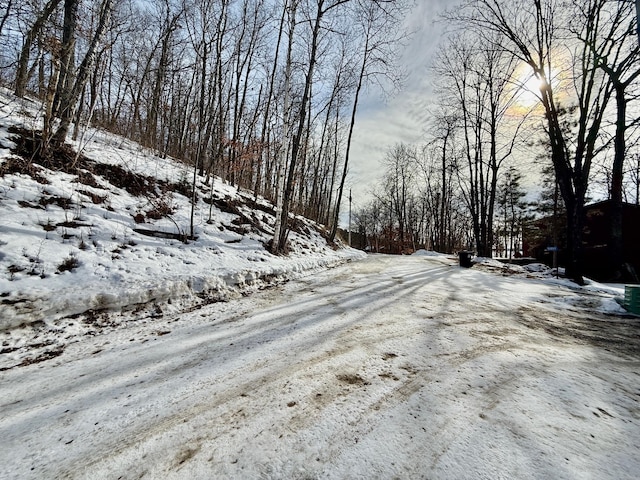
x=402, y=118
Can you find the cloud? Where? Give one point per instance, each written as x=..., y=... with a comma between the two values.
x=403, y=118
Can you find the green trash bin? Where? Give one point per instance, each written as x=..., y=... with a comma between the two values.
x=632, y=298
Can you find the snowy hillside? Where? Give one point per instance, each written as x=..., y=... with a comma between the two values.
x=106, y=235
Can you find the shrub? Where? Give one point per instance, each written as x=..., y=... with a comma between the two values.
x=69, y=264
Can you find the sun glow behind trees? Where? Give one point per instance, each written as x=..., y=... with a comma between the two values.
x=528, y=93
x=526, y=89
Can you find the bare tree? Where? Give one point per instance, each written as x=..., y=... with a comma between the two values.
x=533, y=33
x=169, y=27
x=27, y=43
x=606, y=28
x=477, y=78
x=380, y=36
x=399, y=181
x=322, y=7
x=282, y=209
x=439, y=164
x=67, y=73
x=264, y=134
x=5, y=16
x=71, y=92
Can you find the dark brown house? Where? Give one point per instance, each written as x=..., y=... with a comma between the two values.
x=540, y=236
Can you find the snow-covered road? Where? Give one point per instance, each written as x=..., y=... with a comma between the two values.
x=392, y=367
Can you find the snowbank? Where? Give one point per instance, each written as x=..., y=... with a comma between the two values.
x=429, y=253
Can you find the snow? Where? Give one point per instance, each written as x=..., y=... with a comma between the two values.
x=390, y=367
x=428, y=253
x=385, y=367
x=45, y=225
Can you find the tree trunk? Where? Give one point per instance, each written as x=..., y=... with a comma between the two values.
x=67, y=57
x=29, y=38
x=616, y=247
x=154, y=109
x=282, y=214
x=267, y=109
x=352, y=122
x=6, y=15
x=71, y=97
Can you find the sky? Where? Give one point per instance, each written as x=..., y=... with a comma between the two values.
x=383, y=122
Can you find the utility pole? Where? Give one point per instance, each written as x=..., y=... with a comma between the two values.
x=350, y=211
